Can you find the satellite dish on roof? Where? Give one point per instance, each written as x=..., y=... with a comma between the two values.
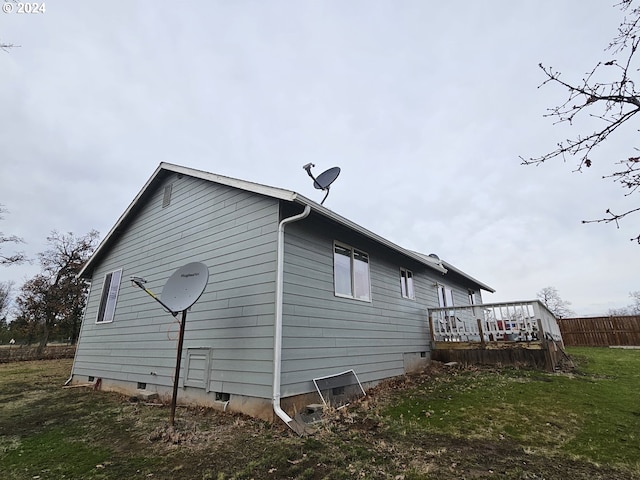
x=185, y=286
x=324, y=180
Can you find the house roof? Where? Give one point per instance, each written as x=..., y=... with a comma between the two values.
x=274, y=192
x=451, y=268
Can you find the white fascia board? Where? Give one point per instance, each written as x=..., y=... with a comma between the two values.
x=450, y=267
x=292, y=196
x=460, y=272
x=107, y=237
x=367, y=233
x=278, y=193
x=266, y=190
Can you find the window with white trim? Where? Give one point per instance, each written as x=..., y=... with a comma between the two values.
x=351, y=273
x=109, y=297
x=472, y=297
x=445, y=296
x=406, y=284
x=472, y=301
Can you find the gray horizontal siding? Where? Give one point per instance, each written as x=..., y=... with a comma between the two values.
x=234, y=233
x=325, y=334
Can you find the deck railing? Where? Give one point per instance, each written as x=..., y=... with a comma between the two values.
x=524, y=321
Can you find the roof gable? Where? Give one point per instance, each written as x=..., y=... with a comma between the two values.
x=278, y=193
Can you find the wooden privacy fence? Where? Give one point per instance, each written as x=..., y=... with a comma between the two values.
x=601, y=331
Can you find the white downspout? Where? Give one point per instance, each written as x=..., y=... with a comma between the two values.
x=277, y=327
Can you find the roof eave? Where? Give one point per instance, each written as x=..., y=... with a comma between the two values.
x=469, y=277
x=258, y=188
x=368, y=233
x=254, y=187
x=86, y=270
x=274, y=192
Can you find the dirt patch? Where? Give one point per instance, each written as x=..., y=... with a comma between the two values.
x=201, y=428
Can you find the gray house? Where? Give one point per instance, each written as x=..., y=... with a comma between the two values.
x=296, y=292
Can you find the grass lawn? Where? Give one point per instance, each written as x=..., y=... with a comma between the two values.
x=445, y=423
x=592, y=414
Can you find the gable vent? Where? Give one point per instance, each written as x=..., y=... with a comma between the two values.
x=166, y=199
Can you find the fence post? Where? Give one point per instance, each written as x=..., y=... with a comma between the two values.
x=481, y=331
x=548, y=359
x=431, y=332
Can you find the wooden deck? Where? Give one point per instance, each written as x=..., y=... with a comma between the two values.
x=515, y=333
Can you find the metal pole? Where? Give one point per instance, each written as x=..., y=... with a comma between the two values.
x=177, y=374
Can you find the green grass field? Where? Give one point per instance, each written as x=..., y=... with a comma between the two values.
x=592, y=414
x=446, y=423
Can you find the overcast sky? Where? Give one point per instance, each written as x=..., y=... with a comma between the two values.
x=426, y=106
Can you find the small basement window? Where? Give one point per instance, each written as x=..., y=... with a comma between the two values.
x=337, y=391
x=222, y=397
x=142, y=385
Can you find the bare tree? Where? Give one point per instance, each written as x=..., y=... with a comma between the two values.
x=54, y=299
x=10, y=259
x=6, y=290
x=632, y=309
x=607, y=94
x=551, y=299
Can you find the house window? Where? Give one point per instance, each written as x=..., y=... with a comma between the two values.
x=472, y=301
x=351, y=273
x=109, y=296
x=406, y=284
x=445, y=296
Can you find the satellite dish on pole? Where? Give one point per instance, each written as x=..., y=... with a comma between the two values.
x=324, y=180
x=184, y=286
x=181, y=290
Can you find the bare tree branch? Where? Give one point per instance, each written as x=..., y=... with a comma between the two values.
x=612, y=103
x=7, y=46
x=614, y=217
x=17, y=257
